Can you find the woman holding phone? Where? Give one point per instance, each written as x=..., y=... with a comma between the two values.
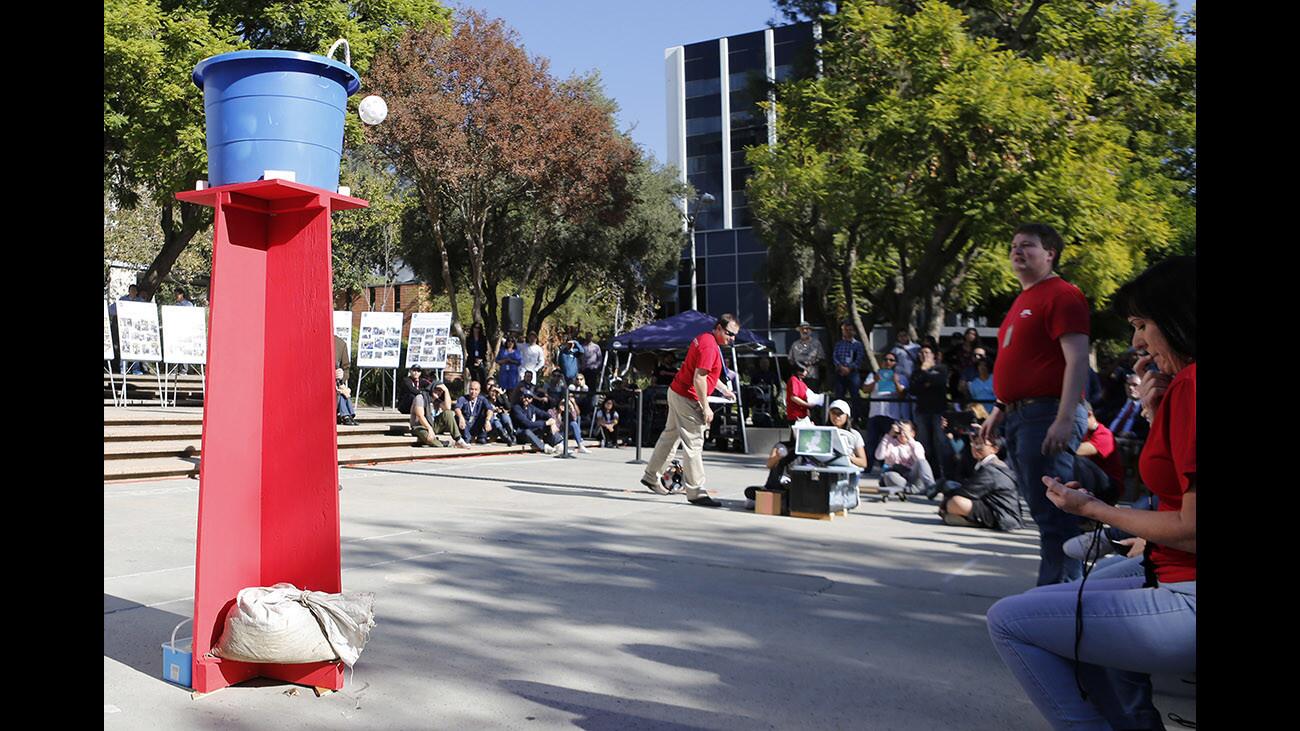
x=1083, y=651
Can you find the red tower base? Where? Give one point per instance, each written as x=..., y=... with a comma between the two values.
x=268, y=479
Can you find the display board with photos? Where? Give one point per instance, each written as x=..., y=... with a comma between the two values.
x=137, y=331
x=380, y=343
x=427, y=344
x=455, y=356
x=343, y=327
x=185, y=334
x=109, y=353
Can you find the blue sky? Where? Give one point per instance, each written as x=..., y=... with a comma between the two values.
x=625, y=40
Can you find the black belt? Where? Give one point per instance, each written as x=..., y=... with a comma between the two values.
x=1022, y=403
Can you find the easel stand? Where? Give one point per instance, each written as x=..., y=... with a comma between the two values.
x=112, y=386
x=383, y=372
x=162, y=389
x=268, y=482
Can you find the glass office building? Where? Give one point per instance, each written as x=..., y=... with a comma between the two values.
x=713, y=90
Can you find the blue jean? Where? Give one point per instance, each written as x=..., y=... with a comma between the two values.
x=345, y=406
x=1128, y=632
x=1025, y=429
x=576, y=430
x=475, y=428
x=540, y=437
x=847, y=388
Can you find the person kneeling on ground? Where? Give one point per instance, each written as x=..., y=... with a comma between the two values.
x=534, y=424
x=904, y=461
x=346, y=414
x=989, y=499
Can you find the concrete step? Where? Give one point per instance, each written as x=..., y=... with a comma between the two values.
x=139, y=469
x=153, y=467
x=149, y=449
x=118, y=432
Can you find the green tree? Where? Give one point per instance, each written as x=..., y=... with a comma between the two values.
x=900, y=172
x=153, y=113
x=511, y=166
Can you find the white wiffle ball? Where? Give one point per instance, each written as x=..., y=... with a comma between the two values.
x=373, y=110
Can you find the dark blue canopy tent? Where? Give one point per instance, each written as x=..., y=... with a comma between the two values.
x=676, y=333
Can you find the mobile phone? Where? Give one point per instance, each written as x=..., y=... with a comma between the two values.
x=1151, y=365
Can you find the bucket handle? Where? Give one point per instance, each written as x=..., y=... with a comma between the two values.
x=177, y=628
x=347, y=51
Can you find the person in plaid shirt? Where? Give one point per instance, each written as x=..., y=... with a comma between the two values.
x=847, y=359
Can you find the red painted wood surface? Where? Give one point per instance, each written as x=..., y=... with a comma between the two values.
x=268, y=480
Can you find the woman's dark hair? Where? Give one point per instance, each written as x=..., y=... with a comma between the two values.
x=1166, y=294
x=510, y=342
x=476, y=326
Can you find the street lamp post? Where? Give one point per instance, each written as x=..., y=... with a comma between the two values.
x=702, y=202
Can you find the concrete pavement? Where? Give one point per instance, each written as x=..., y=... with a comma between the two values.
x=533, y=592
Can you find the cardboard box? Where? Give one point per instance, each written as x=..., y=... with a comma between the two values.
x=769, y=502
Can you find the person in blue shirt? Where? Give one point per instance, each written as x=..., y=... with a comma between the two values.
x=977, y=385
x=509, y=359
x=534, y=424
x=476, y=416
x=847, y=358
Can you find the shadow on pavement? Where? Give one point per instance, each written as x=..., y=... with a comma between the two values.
x=134, y=635
x=600, y=712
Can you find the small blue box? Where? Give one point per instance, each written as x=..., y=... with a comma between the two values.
x=178, y=659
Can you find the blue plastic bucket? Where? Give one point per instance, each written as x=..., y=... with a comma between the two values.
x=275, y=110
x=178, y=659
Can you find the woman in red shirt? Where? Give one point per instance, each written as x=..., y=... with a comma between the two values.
x=796, y=394
x=1138, y=616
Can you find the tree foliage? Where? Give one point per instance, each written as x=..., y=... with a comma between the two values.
x=153, y=113
x=520, y=177
x=901, y=171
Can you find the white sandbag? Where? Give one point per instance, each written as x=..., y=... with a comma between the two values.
x=283, y=624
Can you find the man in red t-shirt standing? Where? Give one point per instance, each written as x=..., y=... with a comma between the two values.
x=1039, y=378
x=689, y=412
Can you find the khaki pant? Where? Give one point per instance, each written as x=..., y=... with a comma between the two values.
x=685, y=423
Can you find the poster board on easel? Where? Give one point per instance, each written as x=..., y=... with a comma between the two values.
x=109, y=353
x=138, y=338
x=343, y=327
x=379, y=346
x=185, y=342
x=427, y=344
x=455, y=358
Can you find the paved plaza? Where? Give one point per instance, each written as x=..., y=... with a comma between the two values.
x=524, y=591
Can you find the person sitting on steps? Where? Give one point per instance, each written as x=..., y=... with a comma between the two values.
x=442, y=414
x=346, y=414
x=534, y=424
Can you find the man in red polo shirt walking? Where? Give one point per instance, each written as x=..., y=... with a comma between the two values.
x=689, y=412
x=1038, y=379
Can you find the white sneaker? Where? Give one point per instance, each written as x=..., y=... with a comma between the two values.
x=583, y=448
x=548, y=449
